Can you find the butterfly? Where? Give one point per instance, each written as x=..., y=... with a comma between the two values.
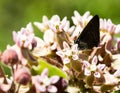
x=90, y=36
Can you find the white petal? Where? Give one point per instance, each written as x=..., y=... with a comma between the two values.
x=44, y=73
x=101, y=66
x=54, y=79
x=64, y=20
x=75, y=57
x=75, y=21
x=76, y=13
x=42, y=88
x=60, y=53
x=87, y=72
x=66, y=60
x=94, y=60
x=86, y=15
x=97, y=74
x=14, y=36
x=29, y=27
x=101, y=23
x=68, y=53
x=117, y=30
x=117, y=73
x=55, y=20
x=77, y=31
x=65, y=45
x=71, y=29
x=75, y=48
x=40, y=42
x=45, y=19
x=52, y=89
x=40, y=26
x=66, y=26
x=48, y=37
x=100, y=58
x=52, y=26
x=86, y=63
x=5, y=87
x=54, y=46
x=1, y=80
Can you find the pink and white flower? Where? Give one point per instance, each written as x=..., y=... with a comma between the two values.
x=93, y=67
x=24, y=37
x=68, y=52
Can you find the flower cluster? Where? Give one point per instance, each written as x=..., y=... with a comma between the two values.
x=54, y=63
x=45, y=84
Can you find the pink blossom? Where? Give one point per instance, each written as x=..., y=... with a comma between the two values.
x=68, y=52
x=24, y=37
x=45, y=84
x=108, y=26
x=110, y=79
x=80, y=22
x=42, y=26
x=57, y=26
x=93, y=67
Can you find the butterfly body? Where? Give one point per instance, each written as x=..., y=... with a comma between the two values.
x=90, y=36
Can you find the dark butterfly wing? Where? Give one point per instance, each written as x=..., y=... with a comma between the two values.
x=90, y=36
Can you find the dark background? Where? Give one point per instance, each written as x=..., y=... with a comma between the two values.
x=15, y=14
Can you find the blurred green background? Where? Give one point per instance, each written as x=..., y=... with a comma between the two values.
x=15, y=14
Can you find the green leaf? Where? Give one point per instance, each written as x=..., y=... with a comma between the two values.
x=6, y=69
x=53, y=70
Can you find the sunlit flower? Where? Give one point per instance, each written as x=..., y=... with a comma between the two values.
x=41, y=49
x=110, y=79
x=45, y=84
x=108, y=26
x=107, y=39
x=117, y=73
x=117, y=30
x=80, y=22
x=25, y=37
x=57, y=26
x=68, y=52
x=44, y=25
x=53, y=29
x=49, y=39
x=93, y=67
x=46, y=46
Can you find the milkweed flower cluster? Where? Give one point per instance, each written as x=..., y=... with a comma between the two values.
x=54, y=64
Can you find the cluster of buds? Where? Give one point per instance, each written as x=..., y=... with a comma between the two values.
x=54, y=64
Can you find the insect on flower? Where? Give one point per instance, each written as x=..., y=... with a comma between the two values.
x=90, y=36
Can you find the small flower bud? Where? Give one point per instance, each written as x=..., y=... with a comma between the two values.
x=61, y=85
x=22, y=75
x=9, y=56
